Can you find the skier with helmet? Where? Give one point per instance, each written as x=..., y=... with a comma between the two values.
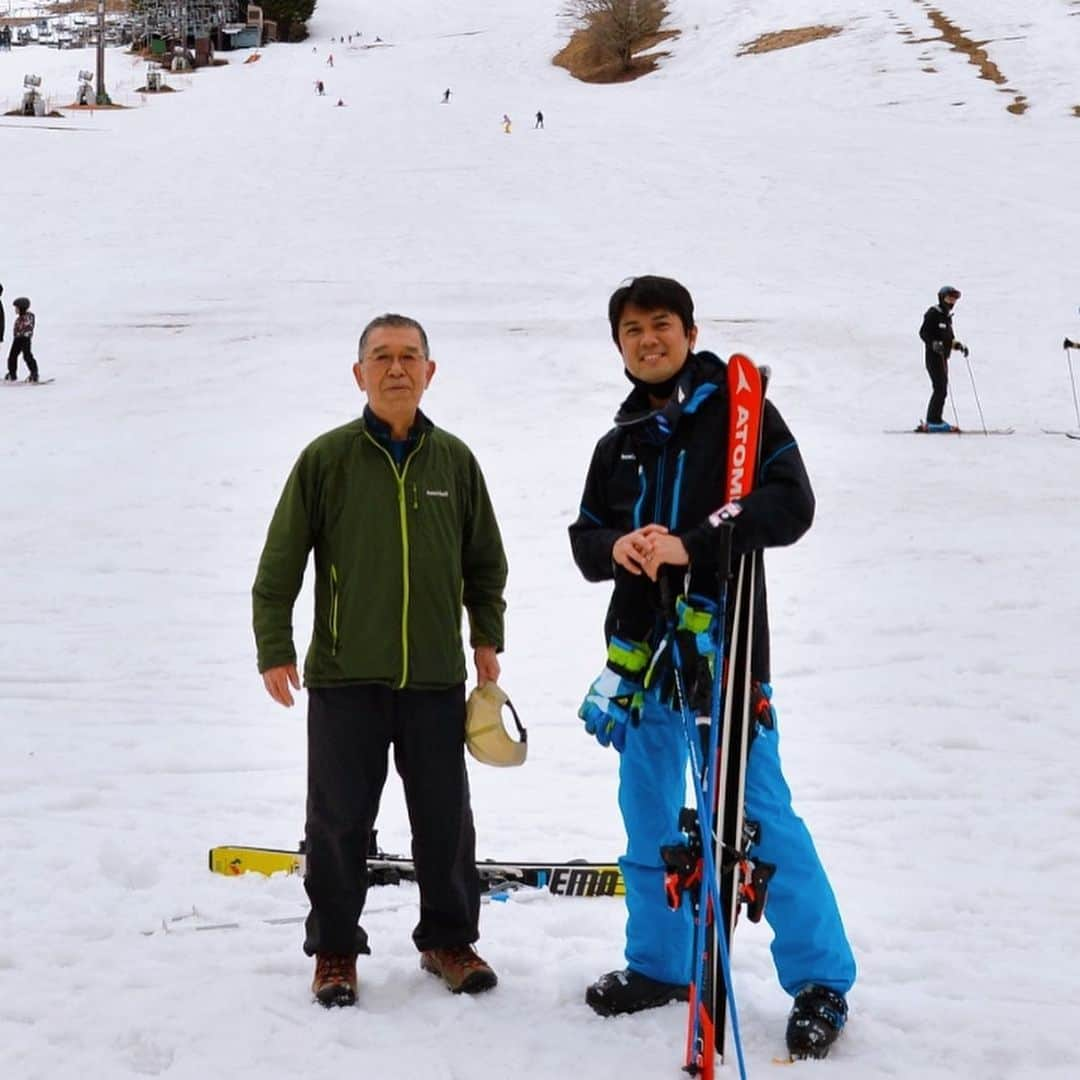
x=937, y=335
x=22, y=333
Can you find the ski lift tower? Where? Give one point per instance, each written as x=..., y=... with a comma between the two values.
x=102, y=94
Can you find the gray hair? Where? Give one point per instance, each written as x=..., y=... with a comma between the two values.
x=397, y=321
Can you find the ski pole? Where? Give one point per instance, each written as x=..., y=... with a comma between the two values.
x=706, y=827
x=978, y=405
x=956, y=415
x=1072, y=380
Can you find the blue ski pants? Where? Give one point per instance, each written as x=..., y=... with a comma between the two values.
x=809, y=945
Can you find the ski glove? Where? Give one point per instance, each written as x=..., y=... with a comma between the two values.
x=616, y=697
x=1066, y=344
x=959, y=346
x=696, y=634
x=695, y=623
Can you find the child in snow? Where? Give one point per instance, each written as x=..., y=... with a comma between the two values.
x=22, y=333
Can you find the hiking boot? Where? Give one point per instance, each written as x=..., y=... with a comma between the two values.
x=628, y=991
x=816, y=1020
x=335, y=979
x=459, y=966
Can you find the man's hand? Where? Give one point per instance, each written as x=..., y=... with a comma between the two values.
x=664, y=550
x=277, y=681
x=486, y=660
x=630, y=551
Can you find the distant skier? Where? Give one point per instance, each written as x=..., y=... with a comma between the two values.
x=937, y=334
x=539, y=120
x=22, y=333
x=330, y=60
x=446, y=96
x=319, y=88
x=506, y=124
x=2, y=314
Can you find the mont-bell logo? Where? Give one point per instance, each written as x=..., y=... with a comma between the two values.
x=438, y=494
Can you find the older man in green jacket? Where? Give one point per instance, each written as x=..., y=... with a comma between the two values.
x=404, y=535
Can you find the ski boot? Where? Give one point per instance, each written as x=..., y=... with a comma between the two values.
x=815, y=1023
x=620, y=992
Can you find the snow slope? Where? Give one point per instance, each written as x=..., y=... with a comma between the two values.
x=201, y=266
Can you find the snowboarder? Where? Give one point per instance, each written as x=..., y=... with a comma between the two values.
x=446, y=96
x=650, y=503
x=936, y=333
x=22, y=333
x=506, y=124
x=386, y=667
x=539, y=120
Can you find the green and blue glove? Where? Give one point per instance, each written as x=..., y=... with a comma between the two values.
x=616, y=697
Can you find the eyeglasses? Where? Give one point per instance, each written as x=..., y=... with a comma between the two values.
x=385, y=360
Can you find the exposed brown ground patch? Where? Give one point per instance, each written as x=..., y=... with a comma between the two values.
x=593, y=65
x=18, y=112
x=976, y=54
x=786, y=39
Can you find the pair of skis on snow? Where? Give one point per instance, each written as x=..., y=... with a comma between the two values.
x=570, y=878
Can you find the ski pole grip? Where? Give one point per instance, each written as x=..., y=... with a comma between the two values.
x=667, y=596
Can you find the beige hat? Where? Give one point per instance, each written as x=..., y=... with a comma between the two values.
x=485, y=735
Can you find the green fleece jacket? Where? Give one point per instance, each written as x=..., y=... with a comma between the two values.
x=398, y=551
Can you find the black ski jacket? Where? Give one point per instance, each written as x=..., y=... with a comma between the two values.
x=667, y=467
x=937, y=326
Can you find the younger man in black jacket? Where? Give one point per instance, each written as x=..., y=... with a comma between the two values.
x=651, y=506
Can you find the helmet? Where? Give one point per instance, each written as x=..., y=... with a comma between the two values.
x=20, y=303
x=948, y=290
x=485, y=735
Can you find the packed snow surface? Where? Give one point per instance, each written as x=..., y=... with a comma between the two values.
x=201, y=265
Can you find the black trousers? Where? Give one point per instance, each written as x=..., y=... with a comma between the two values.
x=937, y=367
x=350, y=732
x=21, y=346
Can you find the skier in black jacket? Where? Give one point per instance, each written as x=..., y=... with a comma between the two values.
x=937, y=334
x=1, y=315
x=651, y=508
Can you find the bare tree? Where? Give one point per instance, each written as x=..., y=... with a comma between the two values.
x=617, y=27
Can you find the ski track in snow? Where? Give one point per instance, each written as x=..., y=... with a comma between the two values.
x=201, y=269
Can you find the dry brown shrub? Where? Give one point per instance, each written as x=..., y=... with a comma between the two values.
x=614, y=42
